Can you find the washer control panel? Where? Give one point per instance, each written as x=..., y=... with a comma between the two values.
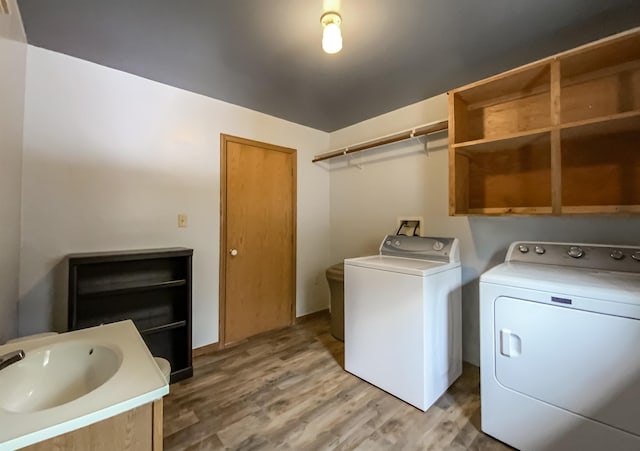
x=425, y=248
x=595, y=256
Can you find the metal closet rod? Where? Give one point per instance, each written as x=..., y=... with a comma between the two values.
x=427, y=129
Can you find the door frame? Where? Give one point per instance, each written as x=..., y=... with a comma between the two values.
x=222, y=296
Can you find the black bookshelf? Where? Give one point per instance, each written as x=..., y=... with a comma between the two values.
x=152, y=287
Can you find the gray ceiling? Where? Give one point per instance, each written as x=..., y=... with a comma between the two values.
x=266, y=55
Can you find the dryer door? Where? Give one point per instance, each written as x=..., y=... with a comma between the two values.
x=584, y=362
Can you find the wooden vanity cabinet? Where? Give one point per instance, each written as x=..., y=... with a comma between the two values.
x=150, y=287
x=138, y=429
x=559, y=136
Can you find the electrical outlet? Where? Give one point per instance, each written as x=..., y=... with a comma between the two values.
x=182, y=220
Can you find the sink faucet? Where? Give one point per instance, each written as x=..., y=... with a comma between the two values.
x=11, y=358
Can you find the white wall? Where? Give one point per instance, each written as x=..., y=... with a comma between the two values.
x=12, y=72
x=401, y=180
x=110, y=159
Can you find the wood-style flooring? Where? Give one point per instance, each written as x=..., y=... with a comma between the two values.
x=287, y=390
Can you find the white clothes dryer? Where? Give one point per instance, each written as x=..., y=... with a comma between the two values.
x=402, y=313
x=559, y=333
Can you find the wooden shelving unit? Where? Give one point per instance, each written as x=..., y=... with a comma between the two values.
x=150, y=287
x=559, y=136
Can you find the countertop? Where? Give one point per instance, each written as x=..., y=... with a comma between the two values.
x=138, y=381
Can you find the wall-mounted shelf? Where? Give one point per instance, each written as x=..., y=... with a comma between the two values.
x=602, y=126
x=509, y=141
x=559, y=136
x=150, y=287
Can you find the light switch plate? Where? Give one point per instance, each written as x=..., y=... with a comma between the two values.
x=182, y=220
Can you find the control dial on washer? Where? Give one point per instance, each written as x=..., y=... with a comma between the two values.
x=540, y=250
x=575, y=252
x=636, y=256
x=616, y=254
x=438, y=245
x=523, y=249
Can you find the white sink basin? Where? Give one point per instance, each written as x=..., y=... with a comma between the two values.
x=56, y=374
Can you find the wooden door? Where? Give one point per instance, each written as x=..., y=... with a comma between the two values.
x=258, y=238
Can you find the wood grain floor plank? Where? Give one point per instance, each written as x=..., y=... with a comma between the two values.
x=287, y=390
x=183, y=418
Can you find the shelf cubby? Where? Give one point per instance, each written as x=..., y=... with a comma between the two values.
x=600, y=171
x=170, y=344
x=499, y=179
x=601, y=80
x=494, y=109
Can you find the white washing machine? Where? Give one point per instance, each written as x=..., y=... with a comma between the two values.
x=402, y=315
x=560, y=332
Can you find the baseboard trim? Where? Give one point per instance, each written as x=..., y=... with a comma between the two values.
x=206, y=349
x=310, y=316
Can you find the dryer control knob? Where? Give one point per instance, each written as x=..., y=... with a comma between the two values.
x=388, y=243
x=540, y=250
x=397, y=243
x=636, y=256
x=616, y=254
x=522, y=248
x=575, y=252
x=438, y=246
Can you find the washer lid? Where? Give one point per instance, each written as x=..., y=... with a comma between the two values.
x=596, y=284
x=402, y=265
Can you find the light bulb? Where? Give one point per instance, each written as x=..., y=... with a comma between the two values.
x=331, y=38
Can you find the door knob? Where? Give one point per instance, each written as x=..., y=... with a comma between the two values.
x=233, y=252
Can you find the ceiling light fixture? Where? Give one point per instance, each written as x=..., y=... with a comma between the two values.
x=331, y=34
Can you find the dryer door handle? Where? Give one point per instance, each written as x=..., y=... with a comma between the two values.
x=510, y=343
